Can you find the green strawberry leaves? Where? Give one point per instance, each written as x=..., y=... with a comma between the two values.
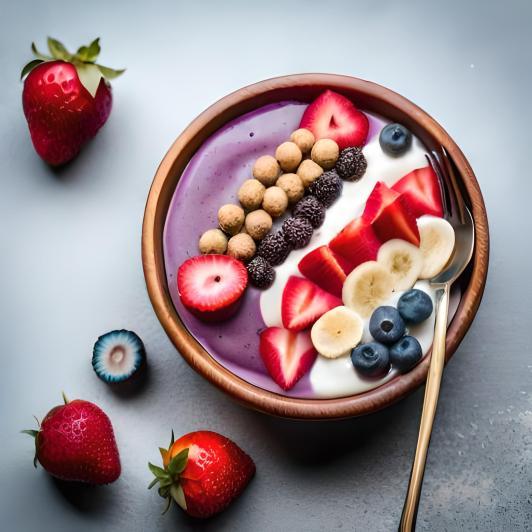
x=89, y=54
x=90, y=76
x=178, y=463
x=110, y=73
x=30, y=66
x=57, y=50
x=90, y=73
x=168, y=477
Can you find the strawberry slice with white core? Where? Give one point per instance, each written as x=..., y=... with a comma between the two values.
x=304, y=302
x=357, y=242
x=388, y=213
x=333, y=116
x=211, y=286
x=326, y=269
x=287, y=355
x=422, y=192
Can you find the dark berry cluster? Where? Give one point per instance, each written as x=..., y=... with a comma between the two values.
x=297, y=232
x=261, y=274
x=274, y=248
x=310, y=209
x=327, y=188
x=351, y=164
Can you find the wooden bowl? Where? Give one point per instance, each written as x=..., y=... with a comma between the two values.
x=304, y=87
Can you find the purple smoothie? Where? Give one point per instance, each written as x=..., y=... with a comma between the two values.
x=210, y=180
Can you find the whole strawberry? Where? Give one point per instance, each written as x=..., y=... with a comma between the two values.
x=66, y=99
x=75, y=441
x=202, y=472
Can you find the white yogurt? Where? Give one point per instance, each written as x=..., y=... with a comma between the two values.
x=337, y=377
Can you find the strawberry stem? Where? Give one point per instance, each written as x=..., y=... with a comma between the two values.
x=168, y=478
x=84, y=59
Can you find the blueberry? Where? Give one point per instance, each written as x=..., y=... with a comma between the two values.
x=405, y=354
x=386, y=325
x=415, y=306
x=395, y=139
x=371, y=359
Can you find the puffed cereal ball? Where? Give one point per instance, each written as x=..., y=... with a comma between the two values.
x=289, y=156
x=266, y=169
x=303, y=138
x=250, y=194
x=325, y=153
x=309, y=171
x=231, y=217
x=258, y=224
x=292, y=185
x=241, y=247
x=275, y=201
x=213, y=241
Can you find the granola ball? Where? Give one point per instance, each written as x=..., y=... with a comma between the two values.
x=275, y=201
x=231, y=218
x=258, y=224
x=241, y=247
x=325, y=153
x=309, y=171
x=289, y=156
x=292, y=185
x=251, y=194
x=303, y=138
x=266, y=169
x=213, y=241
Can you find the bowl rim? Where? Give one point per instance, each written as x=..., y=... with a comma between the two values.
x=306, y=86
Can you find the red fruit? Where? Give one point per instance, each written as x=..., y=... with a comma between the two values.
x=326, y=269
x=421, y=191
x=66, y=99
x=388, y=213
x=287, y=355
x=76, y=442
x=203, y=472
x=357, y=242
x=211, y=286
x=304, y=302
x=333, y=116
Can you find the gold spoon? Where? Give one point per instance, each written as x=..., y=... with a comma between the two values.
x=458, y=215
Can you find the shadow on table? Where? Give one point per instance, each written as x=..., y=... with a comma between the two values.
x=223, y=521
x=134, y=386
x=315, y=443
x=86, y=499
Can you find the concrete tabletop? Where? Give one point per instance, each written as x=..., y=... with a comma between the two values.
x=70, y=265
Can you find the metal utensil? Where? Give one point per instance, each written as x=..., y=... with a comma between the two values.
x=457, y=213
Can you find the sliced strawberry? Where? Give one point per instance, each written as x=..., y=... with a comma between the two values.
x=333, y=116
x=211, y=286
x=326, y=269
x=387, y=211
x=287, y=355
x=357, y=242
x=304, y=302
x=421, y=190
x=380, y=197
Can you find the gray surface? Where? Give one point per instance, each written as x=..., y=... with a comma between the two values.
x=70, y=267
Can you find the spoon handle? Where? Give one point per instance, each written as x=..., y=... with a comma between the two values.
x=432, y=391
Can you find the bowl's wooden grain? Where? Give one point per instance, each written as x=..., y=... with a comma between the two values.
x=304, y=87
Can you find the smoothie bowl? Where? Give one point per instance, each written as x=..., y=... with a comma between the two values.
x=288, y=240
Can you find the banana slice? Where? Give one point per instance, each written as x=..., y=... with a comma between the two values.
x=403, y=260
x=337, y=332
x=436, y=244
x=366, y=287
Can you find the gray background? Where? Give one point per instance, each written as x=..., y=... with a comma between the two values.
x=70, y=265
